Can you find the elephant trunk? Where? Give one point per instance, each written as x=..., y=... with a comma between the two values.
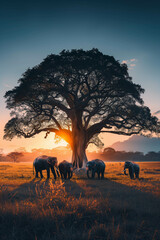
x=57, y=172
x=125, y=172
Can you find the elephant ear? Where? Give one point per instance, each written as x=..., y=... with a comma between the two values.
x=49, y=162
x=54, y=160
x=94, y=164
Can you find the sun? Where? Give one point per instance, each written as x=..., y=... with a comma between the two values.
x=53, y=142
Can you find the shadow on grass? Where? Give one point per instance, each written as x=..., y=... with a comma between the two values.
x=79, y=209
x=73, y=188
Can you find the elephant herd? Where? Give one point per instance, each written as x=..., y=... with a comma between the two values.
x=50, y=163
x=65, y=169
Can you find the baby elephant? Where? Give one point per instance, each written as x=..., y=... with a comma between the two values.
x=133, y=169
x=66, y=169
x=95, y=166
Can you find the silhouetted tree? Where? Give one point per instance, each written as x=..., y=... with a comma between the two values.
x=109, y=150
x=15, y=156
x=109, y=153
x=77, y=95
x=152, y=156
x=1, y=157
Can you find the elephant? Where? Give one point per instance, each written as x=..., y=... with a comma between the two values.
x=95, y=166
x=66, y=169
x=45, y=163
x=133, y=169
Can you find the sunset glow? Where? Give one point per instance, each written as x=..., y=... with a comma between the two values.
x=115, y=33
x=79, y=120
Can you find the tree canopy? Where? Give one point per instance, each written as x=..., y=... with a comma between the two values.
x=77, y=95
x=15, y=156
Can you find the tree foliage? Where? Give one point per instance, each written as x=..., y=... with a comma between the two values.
x=77, y=95
x=15, y=156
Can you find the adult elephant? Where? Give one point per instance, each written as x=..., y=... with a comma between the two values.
x=45, y=163
x=133, y=169
x=66, y=169
x=95, y=166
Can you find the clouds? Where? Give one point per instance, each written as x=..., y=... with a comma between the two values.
x=131, y=63
x=124, y=61
x=158, y=112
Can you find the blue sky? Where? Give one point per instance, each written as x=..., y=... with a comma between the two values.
x=127, y=30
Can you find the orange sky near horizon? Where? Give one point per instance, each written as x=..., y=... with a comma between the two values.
x=47, y=143
x=39, y=141
x=127, y=30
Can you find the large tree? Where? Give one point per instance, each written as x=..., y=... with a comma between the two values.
x=77, y=95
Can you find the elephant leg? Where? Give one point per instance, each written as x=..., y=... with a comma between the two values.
x=65, y=175
x=88, y=172
x=93, y=174
x=41, y=174
x=70, y=174
x=98, y=175
x=61, y=175
x=36, y=174
x=131, y=173
x=102, y=173
x=137, y=174
x=48, y=173
x=54, y=174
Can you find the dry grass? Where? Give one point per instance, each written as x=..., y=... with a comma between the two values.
x=115, y=208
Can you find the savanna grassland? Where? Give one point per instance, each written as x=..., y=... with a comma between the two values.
x=115, y=208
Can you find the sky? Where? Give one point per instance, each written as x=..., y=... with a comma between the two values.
x=31, y=30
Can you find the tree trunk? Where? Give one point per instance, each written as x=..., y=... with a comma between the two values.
x=79, y=158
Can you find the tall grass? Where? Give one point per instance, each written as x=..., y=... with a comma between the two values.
x=79, y=209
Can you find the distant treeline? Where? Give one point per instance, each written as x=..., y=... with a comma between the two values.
x=64, y=153
x=21, y=155
x=110, y=154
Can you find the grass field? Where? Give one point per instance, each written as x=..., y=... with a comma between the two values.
x=115, y=208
